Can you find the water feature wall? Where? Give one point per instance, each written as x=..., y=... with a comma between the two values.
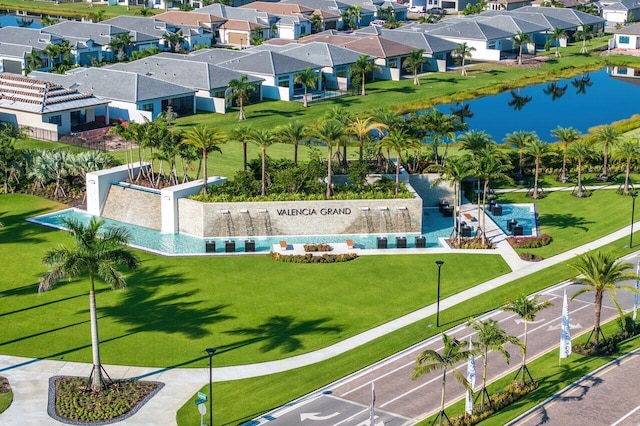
x=210, y=220
x=138, y=206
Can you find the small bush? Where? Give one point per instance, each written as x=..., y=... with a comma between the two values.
x=317, y=247
x=529, y=242
x=471, y=243
x=310, y=258
x=530, y=257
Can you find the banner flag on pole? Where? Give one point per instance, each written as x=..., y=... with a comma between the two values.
x=565, y=331
x=372, y=411
x=471, y=378
x=635, y=296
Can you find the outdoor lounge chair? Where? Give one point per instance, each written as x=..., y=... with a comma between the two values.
x=350, y=244
x=283, y=245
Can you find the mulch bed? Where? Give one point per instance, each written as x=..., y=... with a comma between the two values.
x=4, y=385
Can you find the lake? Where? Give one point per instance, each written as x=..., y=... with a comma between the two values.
x=581, y=102
x=11, y=20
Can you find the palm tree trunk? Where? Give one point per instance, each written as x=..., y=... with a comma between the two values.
x=263, y=188
x=456, y=209
x=563, y=178
x=241, y=113
x=361, y=149
x=484, y=211
x=625, y=191
x=344, y=154
x=444, y=381
x=363, y=81
x=204, y=170
x=580, y=178
x=327, y=193
x=304, y=101
x=520, y=56
x=596, y=326
x=524, y=352
x=96, y=381
x=484, y=378
x=244, y=154
x=397, y=174
x=606, y=157
x=535, y=180
x=295, y=154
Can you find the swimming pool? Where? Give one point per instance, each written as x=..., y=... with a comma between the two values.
x=524, y=214
x=434, y=227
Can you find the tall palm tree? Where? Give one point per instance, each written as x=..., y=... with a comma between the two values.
x=359, y=70
x=399, y=140
x=527, y=309
x=264, y=139
x=581, y=152
x=119, y=45
x=96, y=254
x=454, y=172
x=566, y=135
x=607, y=136
x=538, y=150
x=308, y=78
x=414, y=62
x=242, y=134
x=602, y=273
x=453, y=352
x=463, y=51
x=583, y=34
x=519, y=140
x=293, y=133
x=205, y=139
x=174, y=40
x=33, y=61
x=474, y=141
x=628, y=151
x=391, y=119
x=241, y=90
x=520, y=40
x=331, y=133
x=557, y=35
x=361, y=128
x=490, y=337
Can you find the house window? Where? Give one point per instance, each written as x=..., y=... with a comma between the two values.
x=393, y=63
x=623, y=40
x=55, y=119
x=283, y=81
x=622, y=71
x=147, y=107
x=303, y=30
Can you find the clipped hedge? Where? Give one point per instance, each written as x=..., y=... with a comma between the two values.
x=529, y=242
x=317, y=247
x=310, y=258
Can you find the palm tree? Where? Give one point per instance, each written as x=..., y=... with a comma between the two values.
x=174, y=40
x=454, y=172
x=359, y=70
x=96, y=254
x=391, y=119
x=463, y=52
x=581, y=152
x=293, y=133
x=205, y=139
x=241, y=90
x=607, y=136
x=583, y=34
x=557, y=35
x=308, y=78
x=48, y=20
x=242, y=134
x=602, y=273
x=527, y=309
x=264, y=139
x=361, y=128
x=566, y=135
x=453, y=352
x=119, y=44
x=414, y=63
x=519, y=140
x=474, y=141
x=331, y=133
x=538, y=150
x=33, y=61
x=628, y=151
x=398, y=140
x=520, y=40
x=490, y=337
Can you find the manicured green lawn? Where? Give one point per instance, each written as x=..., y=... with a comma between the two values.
x=573, y=221
x=5, y=400
x=250, y=307
x=68, y=9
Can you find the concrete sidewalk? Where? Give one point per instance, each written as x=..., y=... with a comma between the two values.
x=29, y=378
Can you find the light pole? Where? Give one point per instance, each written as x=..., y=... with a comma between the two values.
x=210, y=351
x=634, y=195
x=439, y=263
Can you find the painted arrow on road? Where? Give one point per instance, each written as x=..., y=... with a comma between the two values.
x=316, y=416
x=559, y=326
x=520, y=321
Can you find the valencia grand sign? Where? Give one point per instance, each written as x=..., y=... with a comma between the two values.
x=324, y=211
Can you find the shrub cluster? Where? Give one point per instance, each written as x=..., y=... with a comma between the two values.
x=75, y=402
x=530, y=257
x=609, y=345
x=501, y=399
x=530, y=242
x=310, y=258
x=471, y=243
x=317, y=247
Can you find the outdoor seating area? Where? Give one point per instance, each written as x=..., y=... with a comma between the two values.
x=445, y=208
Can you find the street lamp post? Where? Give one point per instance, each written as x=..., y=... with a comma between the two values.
x=634, y=195
x=439, y=263
x=210, y=352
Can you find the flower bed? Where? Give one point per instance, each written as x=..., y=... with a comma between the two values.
x=317, y=247
x=310, y=258
x=529, y=242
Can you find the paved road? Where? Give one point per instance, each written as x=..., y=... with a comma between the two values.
x=403, y=401
x=607, y=397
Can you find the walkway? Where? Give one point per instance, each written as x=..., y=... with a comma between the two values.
x=29, y=378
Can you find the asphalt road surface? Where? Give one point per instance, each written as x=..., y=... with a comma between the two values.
x=403, y=401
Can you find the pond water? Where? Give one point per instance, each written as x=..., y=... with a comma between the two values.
x=10, y=20
x=580, y=102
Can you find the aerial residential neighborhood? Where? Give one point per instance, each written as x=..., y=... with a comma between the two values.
x=319, y=212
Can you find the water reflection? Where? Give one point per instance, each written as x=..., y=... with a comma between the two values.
x=462, y=111
x=556, y=91
x=518, y=102
x=581, y=84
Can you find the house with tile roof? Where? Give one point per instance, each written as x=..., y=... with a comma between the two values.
x=209, y=81
x=136, y=97
x=46, y=110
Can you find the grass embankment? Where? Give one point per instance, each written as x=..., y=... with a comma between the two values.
x=261, y=394
x=68, y=9
x=174, y=307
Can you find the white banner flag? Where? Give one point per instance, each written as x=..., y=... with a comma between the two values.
x=372, y=411
x=565, y=330
x=471, y=378
x=635, y=296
